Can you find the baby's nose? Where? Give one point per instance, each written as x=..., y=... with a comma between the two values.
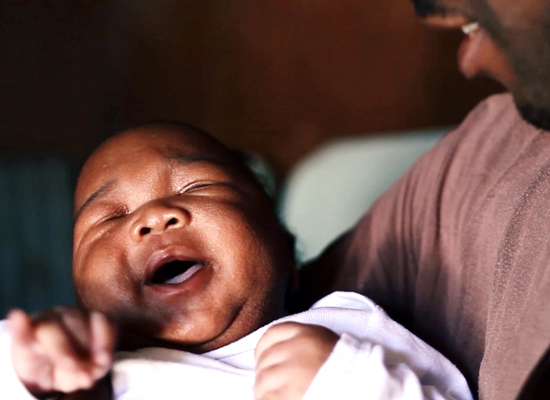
x=157, y=219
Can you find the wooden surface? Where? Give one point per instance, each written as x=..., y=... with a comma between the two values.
x=278, y=78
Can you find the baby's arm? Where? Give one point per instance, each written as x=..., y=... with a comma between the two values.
x=290, y=356
x=61, y=350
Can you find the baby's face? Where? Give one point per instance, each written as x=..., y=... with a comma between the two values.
x=177, y=244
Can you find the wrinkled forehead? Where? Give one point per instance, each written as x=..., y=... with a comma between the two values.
x=130, y=150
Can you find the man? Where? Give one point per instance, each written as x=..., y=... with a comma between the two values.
x=458, y=250
x=518, y=29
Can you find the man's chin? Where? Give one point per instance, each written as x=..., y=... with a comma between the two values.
x=536, y=116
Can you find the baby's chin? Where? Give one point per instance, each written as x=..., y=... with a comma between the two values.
x=201, y=341
x=135, y=335
x=142, y=331
x=130, y=340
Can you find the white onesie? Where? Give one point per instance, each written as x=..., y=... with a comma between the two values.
x=375, y=358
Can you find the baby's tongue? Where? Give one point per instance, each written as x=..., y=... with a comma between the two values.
x=175, y=272
x=184, y=276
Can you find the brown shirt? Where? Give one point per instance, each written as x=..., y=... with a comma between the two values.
x=458, y=250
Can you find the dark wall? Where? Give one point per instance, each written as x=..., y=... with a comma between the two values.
x=55, y=77
x=275, y=77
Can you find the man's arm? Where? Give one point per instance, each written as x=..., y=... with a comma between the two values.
x=381, y=256
x=376, y=258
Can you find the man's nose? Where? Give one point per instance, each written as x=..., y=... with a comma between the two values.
x=157, y=218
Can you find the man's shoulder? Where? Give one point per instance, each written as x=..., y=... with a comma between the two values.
x=490, y=138
x=495, y=106
x=496, y=115
x=498, y=101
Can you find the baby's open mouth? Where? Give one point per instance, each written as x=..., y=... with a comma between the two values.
x=174, y=272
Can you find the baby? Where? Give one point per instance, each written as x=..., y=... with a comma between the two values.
x=181, y=266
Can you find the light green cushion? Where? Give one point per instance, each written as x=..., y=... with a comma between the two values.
x=330, y=189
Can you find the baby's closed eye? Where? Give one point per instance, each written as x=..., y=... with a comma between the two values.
x=113, y=214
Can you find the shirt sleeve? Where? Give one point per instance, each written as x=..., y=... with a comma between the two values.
x=381, y=256
x=10, y=385
x=360, y=370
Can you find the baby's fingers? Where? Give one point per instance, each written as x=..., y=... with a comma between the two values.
x=61, y=350
x=21, y=329
x=59, y=345
x=81, y=340
x=103, y=340
x=276, y=334
x=71, y=366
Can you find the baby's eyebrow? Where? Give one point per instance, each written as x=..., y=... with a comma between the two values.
x=179, y=158
x=196, y=158
x=106, y=187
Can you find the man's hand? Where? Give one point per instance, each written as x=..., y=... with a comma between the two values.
x=61, y=350
x=288, y=357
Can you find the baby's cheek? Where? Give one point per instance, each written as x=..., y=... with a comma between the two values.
x=91, y=290
x=97, y=280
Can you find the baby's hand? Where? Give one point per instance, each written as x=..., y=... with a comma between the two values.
x=288, y=357
x=61, y=350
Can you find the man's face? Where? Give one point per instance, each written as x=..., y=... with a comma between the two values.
x=177, y=244
x=517, y=29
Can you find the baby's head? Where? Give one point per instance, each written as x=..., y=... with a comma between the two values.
x=176, y=240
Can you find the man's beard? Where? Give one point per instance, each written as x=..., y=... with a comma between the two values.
x=538, y=117
x=530, y=66
x=528, y=51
